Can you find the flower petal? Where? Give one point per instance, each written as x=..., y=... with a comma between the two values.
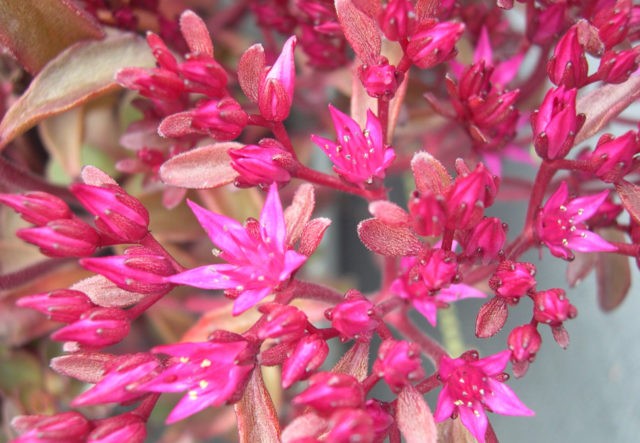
x=475, y=420
x=206, y=277
x=504, y=401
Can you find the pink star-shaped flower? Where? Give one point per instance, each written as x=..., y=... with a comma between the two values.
x=258, y=257
x=560, y=224
x=471, y=385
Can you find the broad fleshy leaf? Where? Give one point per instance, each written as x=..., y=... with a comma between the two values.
x=257, y=417
x=250, y=68
x=414, y=418
x=312, y=235
x=196, y=34
x=306, y=425
x=201, y=168
x=389, y=213
x=491, y=317
x=299, y=212
x=360, y=30
x=613, y=273
x=103, y=292
x=84, y=366
x=35, y=31
x=390, y=241
x=630, y=195
x=62, y=137
x=355, y=361
x=430, y=175
x=82, y=72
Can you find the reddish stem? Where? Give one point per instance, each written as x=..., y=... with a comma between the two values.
x=431, y=348
x=314, y=291
x=30, y=273
x=330, y=181
x=428, y=383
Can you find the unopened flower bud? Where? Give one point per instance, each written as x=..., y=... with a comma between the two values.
x=435, y=268
x=617, y=155
x=63, y=305
x=329, y=391
x=68, y=427
x=275, y=93
x=524, y=342
x=513, y=279
x=380, y=80
x=612, y=21
x=354, y=317
x=96, y=328
x=427, y=213
x=63, y=238
x=617, y=66
x=468, y=196
x=568, y=65
x=255, y=165
x=118, y=215
x=36, y=207
x=127, y=427
x=434, y=43
x=486, y=239
x=308, y=355
x=160, y=85
x=382, y=420
x=222, y=119
x=555, y=124
x=552, y=307
x=397, y=19
x=398, y=363
x=139, y=270
x=349, y=425
x=283, y=322
x=204, y=75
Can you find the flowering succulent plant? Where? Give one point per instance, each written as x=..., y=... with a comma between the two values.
x=148, y=141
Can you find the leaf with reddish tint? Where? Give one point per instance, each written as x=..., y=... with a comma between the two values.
x=299, y=212
x=603, y=104
x=426, y=9
x=96, y=177
x=630, y=195
x=306, y=425
x=312, y=235
x=414, y=417
x=84, y=366
x=453, y=431
x=390, y=241
x=389, y=213
x=82, y=72
x=430, y=175
x=250, y=69
x=176, y=125
x=201, y=168
x=257, y=417
x=355, y=361
x=196, y=34
x=580, y=267
x=62, y=137
x=361, y=31
x=561, y=336
x=103, y=292
x=613, y=273
x=491, y=318
x=35, y=31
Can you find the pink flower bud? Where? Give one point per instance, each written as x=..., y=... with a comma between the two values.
x=63, y=305
x=398, y=363
x=121, y=377
x=617, y=66
x=493, y=109
x=63, y=238
x=275, y=94
x=329, y=391
x=96, y=328
x=612, y=21
x=617, y=155
x=427, y=213
x=285, y=323
x=354, y=317
x=204, y=75
x=468, y=196
x=161, y=52
x=222, y=119
x=543, y=24
x=139, y=270
x=36, y=207
x=435, y=268
x=382, y=420
x=396, y=19
x=486, y=239
x=160, y=85
x=127, y=427
x=119, y=215
x=309, y=354
x=568, y=65
x=380, y=80
x=524, y=342
x=552, y=307
x=474, y=81
x=555, y=124
x=68, y=427
x=513, y=279
x=349, y=425
x=433, y=43
x=256, y=165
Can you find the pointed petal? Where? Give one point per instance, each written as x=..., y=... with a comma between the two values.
x=272, y=220
x=188, y=406
x=445, y=406
x=585, y=207
x=292, y=261
x=504, y=401
x=475, y=421
x=587, y=241
x=483, y=48
x=426, y=308
x=493, y=364
x=559, y=197
x=217, y=228
x=249, y=298
x=206, y=277
x=459, y=291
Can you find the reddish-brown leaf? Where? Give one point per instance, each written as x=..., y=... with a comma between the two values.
x=390, y=241
x=580, y=267
x=430, y=175
x=491, y=318
x=389, y=213
x=176, y=125
x=355, y=361
x=196, y=34
x=426, y=9
x=82, y=72
x=299, y=212
x=630, y=195
x=613, y=273
x=35, y=31
x=257, y=417
x=103, y=292
x=306, y=425
x=62, y=137
x=84, y=366
x=414, y=418
x=561, y=336
x=361, y=31
x=201, y=168
x=250, y=69
x=604, y=103
x=96, y=177
x=312, y=235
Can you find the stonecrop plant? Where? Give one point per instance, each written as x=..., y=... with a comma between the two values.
x=165, y=274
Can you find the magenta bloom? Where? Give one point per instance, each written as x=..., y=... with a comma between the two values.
x=560, y=224
x=471, y=385
x=258, y=257
x=211, y=372
x=358, y=156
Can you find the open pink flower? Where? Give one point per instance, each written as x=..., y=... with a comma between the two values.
x=257, y=255
x=471, y=385
x=358, y=156
x=560, y=224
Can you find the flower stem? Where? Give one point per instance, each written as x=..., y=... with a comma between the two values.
x=31, y=273
x=330, y=181
x=314, y=291
x=431, y=348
